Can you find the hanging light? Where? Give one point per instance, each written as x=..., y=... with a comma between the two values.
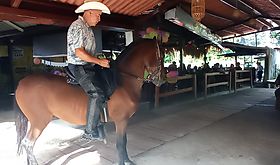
x=236, y=12
x=198, y=9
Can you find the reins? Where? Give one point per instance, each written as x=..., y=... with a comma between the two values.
x=151, y=75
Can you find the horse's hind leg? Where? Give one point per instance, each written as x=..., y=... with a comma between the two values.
x=30, y=139
x=28, y=145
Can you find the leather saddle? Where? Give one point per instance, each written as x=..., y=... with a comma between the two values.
x=108, y=77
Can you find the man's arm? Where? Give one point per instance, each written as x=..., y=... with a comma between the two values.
x=83, y=55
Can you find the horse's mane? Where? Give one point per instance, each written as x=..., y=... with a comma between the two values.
x=129, y=48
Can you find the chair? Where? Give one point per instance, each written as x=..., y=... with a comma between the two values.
x=171, y=83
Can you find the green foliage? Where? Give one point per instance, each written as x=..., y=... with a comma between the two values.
x=277, y=71
x=214, y=56
x=275, y=35
x=168, y=58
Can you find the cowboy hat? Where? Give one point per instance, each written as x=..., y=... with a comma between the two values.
x=89, y=5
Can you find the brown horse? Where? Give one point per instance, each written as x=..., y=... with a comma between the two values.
x=41, y=97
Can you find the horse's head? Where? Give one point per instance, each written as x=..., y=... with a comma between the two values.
x=153, y=66
x=143, y=61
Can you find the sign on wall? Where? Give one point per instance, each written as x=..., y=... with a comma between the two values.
x=17, y=52
x=3, y=51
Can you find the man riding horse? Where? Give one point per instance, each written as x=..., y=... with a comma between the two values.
x=81, y=58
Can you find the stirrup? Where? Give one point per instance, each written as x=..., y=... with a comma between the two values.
x=102, y=133
x=104, y=112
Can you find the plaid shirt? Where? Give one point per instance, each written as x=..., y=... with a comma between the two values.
x=79, y=35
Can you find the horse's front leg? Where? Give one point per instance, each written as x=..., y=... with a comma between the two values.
x=127, y=161
x=121, y=144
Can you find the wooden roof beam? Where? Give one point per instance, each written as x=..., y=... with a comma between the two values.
x=232, y=30
x=15, y=3
x=264, y=22
x=233, y=25
x=51, y=4
x=169, y=4
x=275, y=3
x=228, y=19
x=240, y=5
x=249, y=27
x=275, y=28
x=145, y=7
x=272, y=18
x=257, y=10
x=217, y=16
x=21, y=15
x=262, y=14
x=248, y=9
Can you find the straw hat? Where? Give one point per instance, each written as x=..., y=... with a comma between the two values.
x=92, y=4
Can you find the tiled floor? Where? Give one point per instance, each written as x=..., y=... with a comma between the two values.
x=239, y=128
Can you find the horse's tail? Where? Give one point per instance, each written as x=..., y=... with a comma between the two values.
x=21, y=126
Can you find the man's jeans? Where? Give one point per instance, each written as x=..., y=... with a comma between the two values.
x=85, y=75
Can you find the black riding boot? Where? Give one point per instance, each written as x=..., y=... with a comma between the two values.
x=93, y=118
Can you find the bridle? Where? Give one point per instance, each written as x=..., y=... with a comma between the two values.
x=153, y=72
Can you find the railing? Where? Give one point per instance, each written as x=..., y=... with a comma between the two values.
x=240, y=77
x=175, y=91
x=231, y=79
x=215, y=84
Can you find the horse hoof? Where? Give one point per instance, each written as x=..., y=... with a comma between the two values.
x=104, y=141
x=129, y=163
x=126, y=163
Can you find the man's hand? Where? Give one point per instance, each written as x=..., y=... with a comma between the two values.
x=82, y=54
x=104, y=63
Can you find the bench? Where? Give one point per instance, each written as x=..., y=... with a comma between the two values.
x=271, y=83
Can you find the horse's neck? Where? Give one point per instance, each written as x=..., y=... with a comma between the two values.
x=131, y=77
x=133, y=68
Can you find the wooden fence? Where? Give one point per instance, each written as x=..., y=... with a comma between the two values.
x=226, y=80
x=175, y=91
x=215, y=79
x=240, y=77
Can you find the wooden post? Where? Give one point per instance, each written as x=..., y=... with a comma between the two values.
x=11, y=68
x=235, y=78
x=181, y=54
x=157, y=96
x=195, y=86
x=251, y=78
x=229, y=85
x=205, y=85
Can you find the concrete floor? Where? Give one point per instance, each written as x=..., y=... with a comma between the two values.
x=231, y=129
